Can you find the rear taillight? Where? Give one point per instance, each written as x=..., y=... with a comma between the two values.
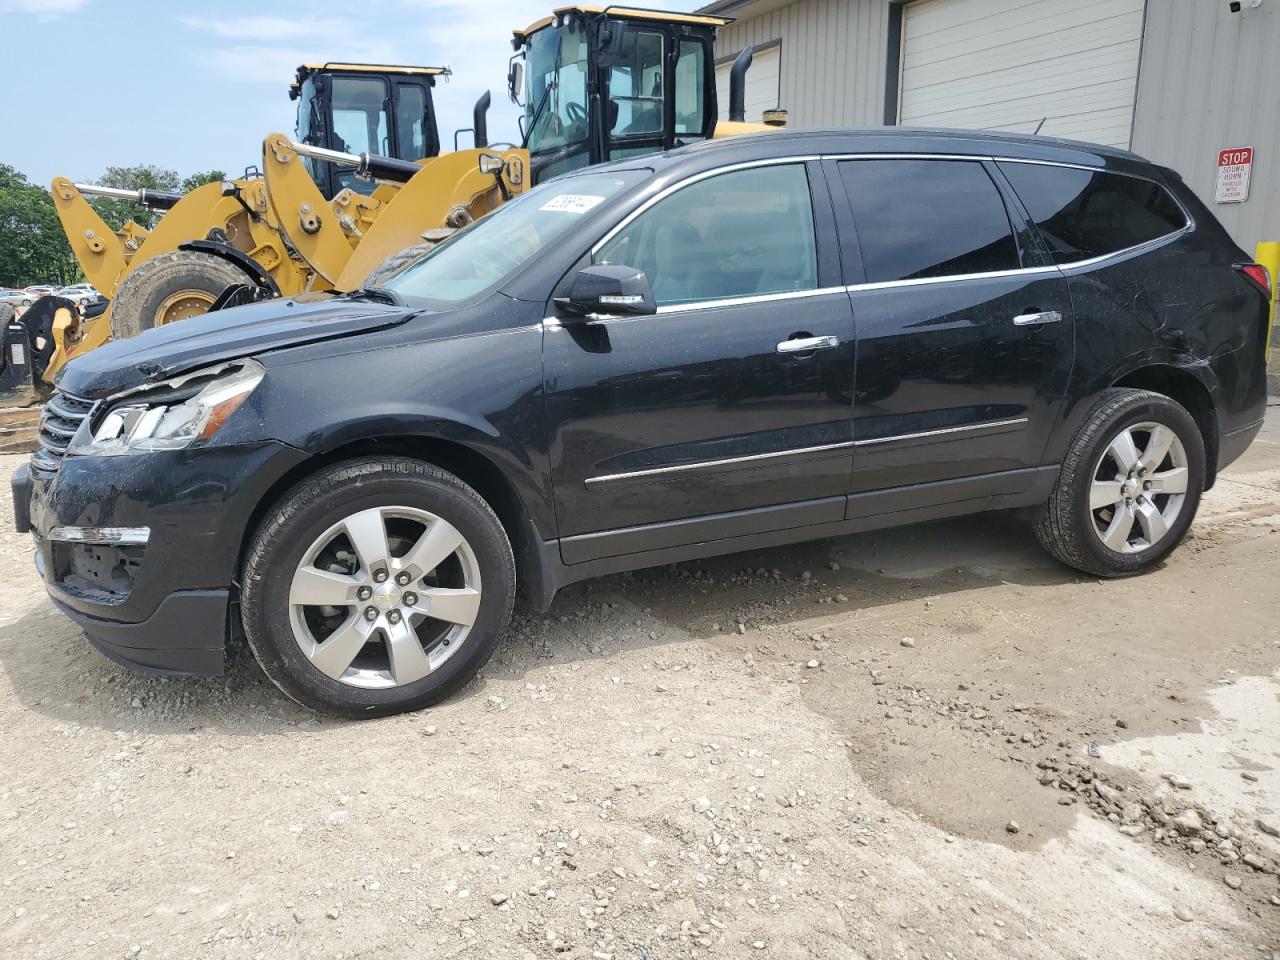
x=1258, y=274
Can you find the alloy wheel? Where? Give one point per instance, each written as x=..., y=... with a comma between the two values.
x=1139, y=487
x=384, y=597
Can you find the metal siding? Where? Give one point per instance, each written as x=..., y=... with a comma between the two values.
x=1009, y=64
x=1202, y=88
x=833, y=58
x=762, y=84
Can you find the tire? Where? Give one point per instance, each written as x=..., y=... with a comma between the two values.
x=307, y=538
x=168, y=288
x=1082, y=529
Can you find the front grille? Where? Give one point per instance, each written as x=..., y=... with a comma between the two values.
x=62, y=417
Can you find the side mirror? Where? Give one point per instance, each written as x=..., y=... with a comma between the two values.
x=515, y=80
x=609, y=289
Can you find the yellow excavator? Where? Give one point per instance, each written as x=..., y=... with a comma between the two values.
x=595, y=84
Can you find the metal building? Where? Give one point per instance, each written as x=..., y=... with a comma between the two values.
x=1182, y=82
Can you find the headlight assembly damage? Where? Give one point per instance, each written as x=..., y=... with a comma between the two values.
x=168, y=416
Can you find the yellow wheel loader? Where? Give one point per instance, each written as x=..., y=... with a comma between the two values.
x=288, y=226
x=596, y=84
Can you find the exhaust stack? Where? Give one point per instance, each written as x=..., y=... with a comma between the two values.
x=738, y=86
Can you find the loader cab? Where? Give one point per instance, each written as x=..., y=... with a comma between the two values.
x=364, y=108
x=598, y=85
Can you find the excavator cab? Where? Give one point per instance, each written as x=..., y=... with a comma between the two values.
x=599, y=84
x=364, y=108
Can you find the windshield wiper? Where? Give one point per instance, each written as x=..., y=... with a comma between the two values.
x=381, y=294
x=537, y=113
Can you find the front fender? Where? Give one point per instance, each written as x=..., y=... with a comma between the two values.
x=481, y=392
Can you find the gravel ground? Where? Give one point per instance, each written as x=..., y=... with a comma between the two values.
x=931, y=742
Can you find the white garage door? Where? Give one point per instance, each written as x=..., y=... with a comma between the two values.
x=762, y=84
x=1009, y=64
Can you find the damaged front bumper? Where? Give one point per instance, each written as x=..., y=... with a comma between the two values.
x=142, y=551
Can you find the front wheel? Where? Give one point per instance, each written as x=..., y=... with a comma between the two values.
x=169, y=288
x=1129, y=486
x=377, y=586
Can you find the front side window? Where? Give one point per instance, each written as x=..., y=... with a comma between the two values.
x=411, y=121
x=497, y=246
x=738, y=234
x=635, y=85
x=691, y=89
x=1087, y=213
x=556, y=89
x=928, y=218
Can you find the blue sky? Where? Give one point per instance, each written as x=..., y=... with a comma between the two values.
x=95, y=83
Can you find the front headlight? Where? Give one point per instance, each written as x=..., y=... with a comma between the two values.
x=170, y=416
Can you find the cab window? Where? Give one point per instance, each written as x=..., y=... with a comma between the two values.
x=636, y=84
x=739, y=234
x=411, y=121
x=691, y=92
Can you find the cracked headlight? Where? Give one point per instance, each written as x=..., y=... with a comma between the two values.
x=169, y=416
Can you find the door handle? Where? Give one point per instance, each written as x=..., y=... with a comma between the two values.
x=808, y=344
x=1035, y=319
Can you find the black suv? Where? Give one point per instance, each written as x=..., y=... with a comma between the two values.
x=742, y=343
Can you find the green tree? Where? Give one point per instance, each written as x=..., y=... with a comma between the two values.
x=199, y=179
x=33, y=248
x=143, y=175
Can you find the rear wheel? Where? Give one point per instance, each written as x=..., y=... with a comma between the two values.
x=169, y=288
x=1129, y=486
x=377, y=586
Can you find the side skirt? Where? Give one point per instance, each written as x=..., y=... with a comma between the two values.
x=633, y=548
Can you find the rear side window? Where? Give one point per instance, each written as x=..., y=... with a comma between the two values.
x=1084, y=213
x=740, y=234
x=928, y=218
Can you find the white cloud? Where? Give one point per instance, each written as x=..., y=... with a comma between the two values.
x=42, y=9
x=262, y=29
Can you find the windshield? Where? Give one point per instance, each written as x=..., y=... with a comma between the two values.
x=494, y=248
x=556, y=69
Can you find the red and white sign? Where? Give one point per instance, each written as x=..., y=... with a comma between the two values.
x=1234, y=169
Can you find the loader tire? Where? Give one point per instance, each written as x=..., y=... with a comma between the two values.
x=169, y=288
x=391, y=266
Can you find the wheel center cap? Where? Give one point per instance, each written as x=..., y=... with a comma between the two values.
x=386, y=596
x=1131, y=487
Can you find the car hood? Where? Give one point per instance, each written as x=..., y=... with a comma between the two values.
x=215, y=337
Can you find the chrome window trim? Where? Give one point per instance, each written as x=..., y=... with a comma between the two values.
x=726, y=461
x=967, y=428
x=554, y=322
x=955, y=278
x=1063, y=268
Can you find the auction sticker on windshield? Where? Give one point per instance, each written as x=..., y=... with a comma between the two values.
x=575, y=203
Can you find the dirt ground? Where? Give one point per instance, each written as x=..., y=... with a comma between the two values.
x=932, y=742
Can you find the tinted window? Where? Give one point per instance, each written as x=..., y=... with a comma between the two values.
x=1082, y=214
x=928, y=218
x=738, y=234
